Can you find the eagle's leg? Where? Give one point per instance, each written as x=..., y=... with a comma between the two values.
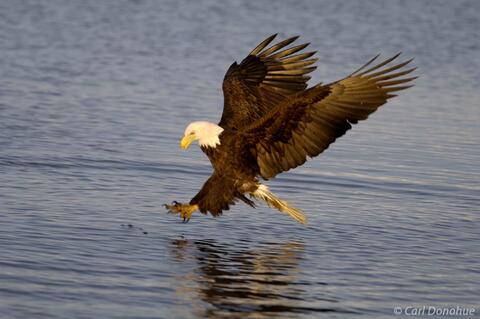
x=185, y=210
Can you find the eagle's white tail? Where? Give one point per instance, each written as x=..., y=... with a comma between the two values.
x=265, y=194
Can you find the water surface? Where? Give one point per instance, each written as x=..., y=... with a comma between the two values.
x=94, y=97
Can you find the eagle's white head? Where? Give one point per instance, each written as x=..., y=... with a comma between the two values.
x=207, y=134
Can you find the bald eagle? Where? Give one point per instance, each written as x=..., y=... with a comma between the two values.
x=272, y=122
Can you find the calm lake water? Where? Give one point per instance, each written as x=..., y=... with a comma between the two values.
x=94, y=97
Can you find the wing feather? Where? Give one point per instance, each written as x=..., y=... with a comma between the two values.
x=263, y=44
x=277, y=46
x=304, y=125
x=267, y=76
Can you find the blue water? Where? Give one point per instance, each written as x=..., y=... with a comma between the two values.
x=94, y=97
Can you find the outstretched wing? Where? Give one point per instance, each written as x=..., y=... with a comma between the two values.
x=305, y=125
x=262, y=80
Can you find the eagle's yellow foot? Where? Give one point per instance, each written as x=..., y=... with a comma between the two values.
x=185, y=210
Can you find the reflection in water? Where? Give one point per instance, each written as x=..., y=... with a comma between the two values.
x=241, y=282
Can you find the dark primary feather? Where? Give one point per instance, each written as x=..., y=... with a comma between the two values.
x=304, y=125
x=262, y=80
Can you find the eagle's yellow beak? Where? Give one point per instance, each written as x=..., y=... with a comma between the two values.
x=187, y=140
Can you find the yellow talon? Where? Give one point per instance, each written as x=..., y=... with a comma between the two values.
x=185, y=210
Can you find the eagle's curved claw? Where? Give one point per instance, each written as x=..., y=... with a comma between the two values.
x=185, y=210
